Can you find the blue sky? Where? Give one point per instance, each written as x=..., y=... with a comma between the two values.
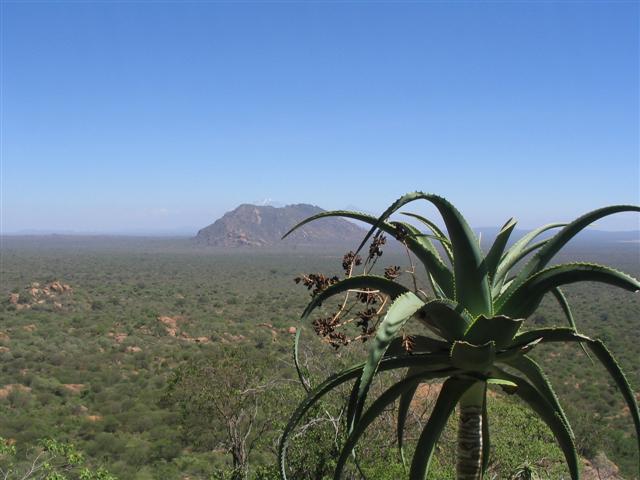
x=155, y=116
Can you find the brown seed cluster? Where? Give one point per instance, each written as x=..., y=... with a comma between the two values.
x=401, y=232
x=375, y=249
x=316, y=282
x=350, y=260
x=392, y=272
x=362, y=310
x=367, y=296
x=326, y=328
x=365, y=318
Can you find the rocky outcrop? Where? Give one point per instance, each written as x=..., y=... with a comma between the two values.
x=262, y=226
x=54, y=294
x=600, y=468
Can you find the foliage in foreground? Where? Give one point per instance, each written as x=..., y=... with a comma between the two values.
x=53, y=460
x=474, y=322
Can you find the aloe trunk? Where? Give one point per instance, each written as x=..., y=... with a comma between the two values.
x=469, y=466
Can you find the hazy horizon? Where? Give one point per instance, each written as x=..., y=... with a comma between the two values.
x=160, y=117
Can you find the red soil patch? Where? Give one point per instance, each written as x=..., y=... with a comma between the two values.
x=7, y=389
x=74, y=387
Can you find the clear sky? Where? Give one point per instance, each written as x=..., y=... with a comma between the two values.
x=153, y=116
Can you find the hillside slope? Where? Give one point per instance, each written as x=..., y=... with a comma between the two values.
x=260, y=226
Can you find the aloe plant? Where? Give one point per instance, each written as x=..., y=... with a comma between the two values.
x=475, y=315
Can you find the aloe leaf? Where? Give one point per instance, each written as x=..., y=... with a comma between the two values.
x=444, y=241
x=370, y=282
x=471, y=280
x=504, y=287
x=403, y=410
x=433, y=237
x=446, y=318
x=473, y=358
x=431, y=225
x=518, y=251
x=424, y=250
x=311, y=399
x=497, y=249
x=529, y=368
x=566, y=309
x=428, y=256
x=409, y=197
x=352, y=404
x=602, y=354
x=546, y=335
x=541, y=406
x=501, y=382
x=501, y=329
x=296, y=361
x=548, y=251
x=378, y=406
x=609, y=362
x=332, y=213
x=516, y=351
x=437, y=291
x=564, y=305
x=421, y=344
x=401, y=310
x=428, y=362
x=522, y=301
x=416, y=235
x=447, y=400
x=499, y=284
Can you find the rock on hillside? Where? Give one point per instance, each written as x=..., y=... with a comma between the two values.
x=260, y=226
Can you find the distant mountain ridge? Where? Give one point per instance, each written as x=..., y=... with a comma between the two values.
x=263, y=225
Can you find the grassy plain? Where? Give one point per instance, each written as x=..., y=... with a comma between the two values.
x=92, y=365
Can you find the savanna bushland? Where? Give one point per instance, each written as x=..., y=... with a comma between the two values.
x=157, y=358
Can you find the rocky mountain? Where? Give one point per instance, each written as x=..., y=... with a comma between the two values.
x=260, y=226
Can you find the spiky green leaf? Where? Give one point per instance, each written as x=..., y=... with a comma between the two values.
x=545, y=410
x=494, y=255
x=530, y=369
x=602, y=354
x=359, y=282
x=403, y=410
x=606, y=358
x=419, y=344
x=471, y=280
x=517, y=252
x=523, y=301
x=517, y=351
x=446, y=318
x=411, y=232
x=473, y=358
x=553, y=246
x=545, y=335
x=426, y=253
x=401, y=310
x=444, y=241
x=566, y=309
x=500, y=329
x=428, y=362
x=378, y=406
x=296, y=361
